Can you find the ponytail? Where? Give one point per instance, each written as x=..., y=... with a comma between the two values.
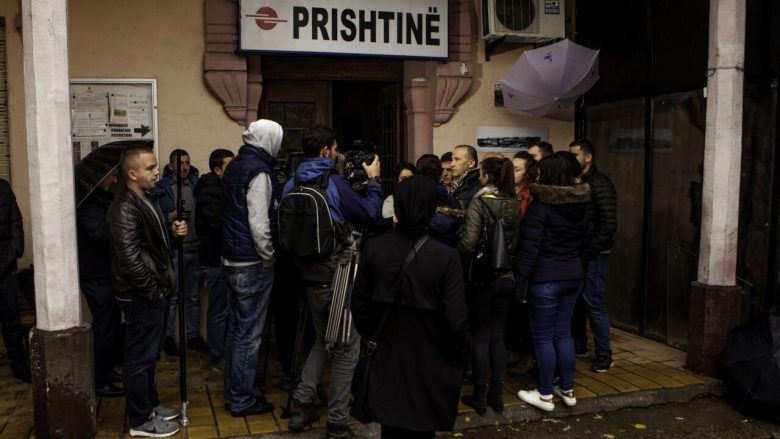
x=501, y=174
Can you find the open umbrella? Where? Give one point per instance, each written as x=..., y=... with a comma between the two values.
x=93, y=168
x=550, y=78
x=750, y=367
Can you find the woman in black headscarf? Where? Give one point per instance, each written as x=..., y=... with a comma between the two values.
x=416, y=371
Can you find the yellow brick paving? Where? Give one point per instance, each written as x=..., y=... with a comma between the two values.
x=640, y=364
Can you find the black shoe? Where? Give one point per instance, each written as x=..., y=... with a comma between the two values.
x=602, y=364
x=197, y=343
x=109, y=391
x=22, y=373
x=301, y=416
x=477, y=400
x=260, y=407
x=495, y=396
x=169, y=346
x=339, y=431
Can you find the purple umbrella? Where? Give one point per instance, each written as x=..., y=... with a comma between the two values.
x=550, y=78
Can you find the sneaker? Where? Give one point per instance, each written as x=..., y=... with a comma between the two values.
x=301, y=416
x=602, y=364
x=218, y=365
x=170, y=348
x=339, y=431
x=260, y=407
x=166, y=413
x=155, y=427
x=532, y=397
x=581, y=354
x=197, y=344
x=567, y=397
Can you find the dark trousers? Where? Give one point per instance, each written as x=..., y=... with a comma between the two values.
x=591, y=305
x=13, y=332
x=389, y=432
x=105, y=326
x=144, y=332
x=287, y=293
x=487, y=309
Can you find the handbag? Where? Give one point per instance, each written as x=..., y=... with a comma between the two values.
x=490, y=259
x=360, y=390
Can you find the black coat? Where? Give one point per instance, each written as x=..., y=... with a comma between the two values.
x=140, y=248
x=11, y=231
x=209, y=192
x=415, y=378
x=92, y=233
x=602, y=211
x=553, y=239
x=468, y=188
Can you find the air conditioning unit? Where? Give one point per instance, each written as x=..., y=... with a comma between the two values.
x=528, y=21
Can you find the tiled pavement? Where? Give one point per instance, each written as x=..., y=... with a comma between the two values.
x=640, y=365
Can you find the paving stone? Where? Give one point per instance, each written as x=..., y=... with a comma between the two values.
x=202, y=432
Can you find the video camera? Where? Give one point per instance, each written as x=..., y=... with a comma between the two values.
x=361, y=152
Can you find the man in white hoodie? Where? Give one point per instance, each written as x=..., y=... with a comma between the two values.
x=248, y=261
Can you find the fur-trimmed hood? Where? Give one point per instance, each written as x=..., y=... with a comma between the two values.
x=561, y=194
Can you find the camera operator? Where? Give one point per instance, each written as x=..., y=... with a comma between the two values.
x=347, y=209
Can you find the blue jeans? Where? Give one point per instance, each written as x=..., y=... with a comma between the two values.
x=550, y=309
x=191, y=294
x=217, y=314
x=249, y=292
x=144, y=329
x=596, y=309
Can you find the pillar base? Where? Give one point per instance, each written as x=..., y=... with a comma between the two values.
x=715, y=310
x=63, y=383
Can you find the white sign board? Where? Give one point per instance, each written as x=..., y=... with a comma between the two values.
x=106, y=110
x=400, y=28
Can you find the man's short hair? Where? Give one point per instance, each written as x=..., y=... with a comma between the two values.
x=446, y=157
x=586, y=146
x=472, y=153
x=544, y=147
x=316, y=138
x=129, y=159
x=217, y=157
x=172, y=157
x=429, y=164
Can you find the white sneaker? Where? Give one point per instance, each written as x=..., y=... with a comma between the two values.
x=532, y=397
x=567, y=397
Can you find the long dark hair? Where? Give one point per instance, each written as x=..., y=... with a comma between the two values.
x=559, y=169
x=531, y=169
x=501, y=174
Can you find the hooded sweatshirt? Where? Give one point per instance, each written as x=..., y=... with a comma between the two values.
x=255, y=160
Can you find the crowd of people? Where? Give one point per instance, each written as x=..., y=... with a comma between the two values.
x=426, y=301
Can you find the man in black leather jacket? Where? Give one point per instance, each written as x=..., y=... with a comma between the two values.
x=143, y=279
x=11, y=248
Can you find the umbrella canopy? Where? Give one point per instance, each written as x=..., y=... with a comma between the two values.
x=93, y=168
x=550, y=78
x=750, y=367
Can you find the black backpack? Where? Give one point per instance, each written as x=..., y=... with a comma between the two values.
x=306, y=229
x=490, y=259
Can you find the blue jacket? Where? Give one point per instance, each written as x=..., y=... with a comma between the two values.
x=164, y=193
x=345, y=204
x=237, y=237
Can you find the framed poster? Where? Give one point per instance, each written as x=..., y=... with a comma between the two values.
x=107, y=110
x=509, y=140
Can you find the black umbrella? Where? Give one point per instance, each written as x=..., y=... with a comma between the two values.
x=750, y=367
x=96, y=166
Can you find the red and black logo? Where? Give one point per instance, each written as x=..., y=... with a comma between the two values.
x=266, y=18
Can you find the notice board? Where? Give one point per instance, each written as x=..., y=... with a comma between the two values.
x=107, y=110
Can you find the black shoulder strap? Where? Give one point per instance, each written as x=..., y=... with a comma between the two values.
x=372, y=343
x=489, y=213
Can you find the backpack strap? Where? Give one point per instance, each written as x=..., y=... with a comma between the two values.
x=321, y=181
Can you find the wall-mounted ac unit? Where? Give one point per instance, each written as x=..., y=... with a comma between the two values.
x=529, y=21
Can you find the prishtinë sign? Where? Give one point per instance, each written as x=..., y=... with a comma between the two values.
x=402, y=28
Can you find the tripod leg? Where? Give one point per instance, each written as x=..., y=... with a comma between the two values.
x=300, y=334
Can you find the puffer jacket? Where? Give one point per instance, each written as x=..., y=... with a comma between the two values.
x=140, y=249
x=602, y=212
x=500, y=208
x=553, y=240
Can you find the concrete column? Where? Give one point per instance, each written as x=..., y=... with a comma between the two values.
x=716, y=302
x=61, y=359
x=419, y=97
